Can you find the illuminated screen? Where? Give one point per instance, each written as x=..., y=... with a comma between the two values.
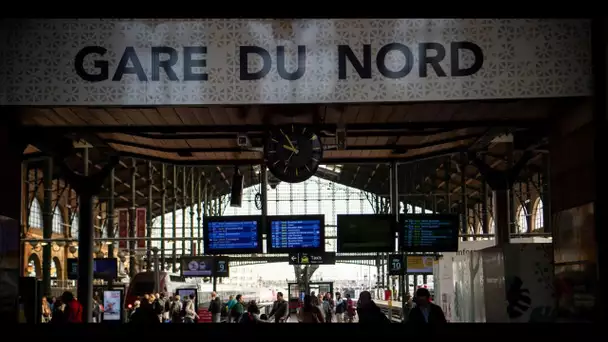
x=296, y=233
x=233, y=235
x=366, y=233
x=201, y=266
x=103, y=268
x=430, y=233
x=72, y=268
x=420, y=264
x=112, y=304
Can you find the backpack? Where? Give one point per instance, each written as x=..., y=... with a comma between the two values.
x=225, y=311
x=326, y=307
x=184, y=307
x=246, y=318
x=175, y=310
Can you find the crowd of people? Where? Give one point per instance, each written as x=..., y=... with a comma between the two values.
x=321, y=308
x=65, y=309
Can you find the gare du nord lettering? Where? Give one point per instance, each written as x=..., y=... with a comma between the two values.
x=165, y=58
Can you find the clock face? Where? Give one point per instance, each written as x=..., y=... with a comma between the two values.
x=293, y=153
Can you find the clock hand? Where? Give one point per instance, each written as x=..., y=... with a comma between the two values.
x=288, y=140
x=292, y=149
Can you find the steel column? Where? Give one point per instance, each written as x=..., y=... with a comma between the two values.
x=184, y=204
x=484, y=207
x=149, y=216
x=448, y=178
x=463, y=190
x=47, y=225
x=192, y=201
x=264, y=199
x=85, y=255
x=110, y=208
x=394, y=184
x=174, y=219
x=132, y=218
x=163, y=210
x=199, y=217
x=502, y=215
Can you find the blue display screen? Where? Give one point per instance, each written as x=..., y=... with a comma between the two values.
x=296, y=234
x=226, y=235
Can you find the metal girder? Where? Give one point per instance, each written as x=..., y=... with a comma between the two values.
x=172, y=129
x=260, y=135
x=402, y=148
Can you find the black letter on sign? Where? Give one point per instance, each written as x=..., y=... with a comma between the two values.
x=130, y=55
x=190, y=63
x=244, y=62
x=166, y=64
x=291, y=76
x=424, y=59
x=364, y=70
x=455, y=58
x=381, y=61
x=101, y=65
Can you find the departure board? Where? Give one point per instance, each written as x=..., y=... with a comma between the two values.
x=302, y=233
x=233, y=235
x=431, y=233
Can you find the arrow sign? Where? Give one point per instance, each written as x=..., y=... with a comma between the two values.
x=322, y=258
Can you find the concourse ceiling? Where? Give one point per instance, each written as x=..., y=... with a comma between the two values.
x=426, y=139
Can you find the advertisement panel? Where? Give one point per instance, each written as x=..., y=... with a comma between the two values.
x=123, y=226
x=140, y=226
x=420, y=264
x=112, y=304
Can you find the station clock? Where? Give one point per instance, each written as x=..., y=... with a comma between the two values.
x=293, y=152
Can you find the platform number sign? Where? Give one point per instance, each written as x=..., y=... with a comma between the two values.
x=395, y=264
x=222, y=268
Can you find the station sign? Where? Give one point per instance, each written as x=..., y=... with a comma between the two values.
x=221, y=269
x=322, y=258
x=396, y=265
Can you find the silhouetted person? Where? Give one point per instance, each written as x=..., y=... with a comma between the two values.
x=368, y=311
x=73, y=309
x=280, y=309
x=425, y=312
x=145, y=314
x=310, y=313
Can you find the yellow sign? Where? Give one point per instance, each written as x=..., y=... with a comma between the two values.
x=420, y=264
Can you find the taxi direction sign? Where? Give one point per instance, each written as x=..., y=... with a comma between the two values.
x=322, y=258
x=395, y=264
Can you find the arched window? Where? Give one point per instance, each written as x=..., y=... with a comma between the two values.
x=522, y=224
x=74, y=229
x=491, y=228
x=35, y=219
x=57, y=221
x=539, y=215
